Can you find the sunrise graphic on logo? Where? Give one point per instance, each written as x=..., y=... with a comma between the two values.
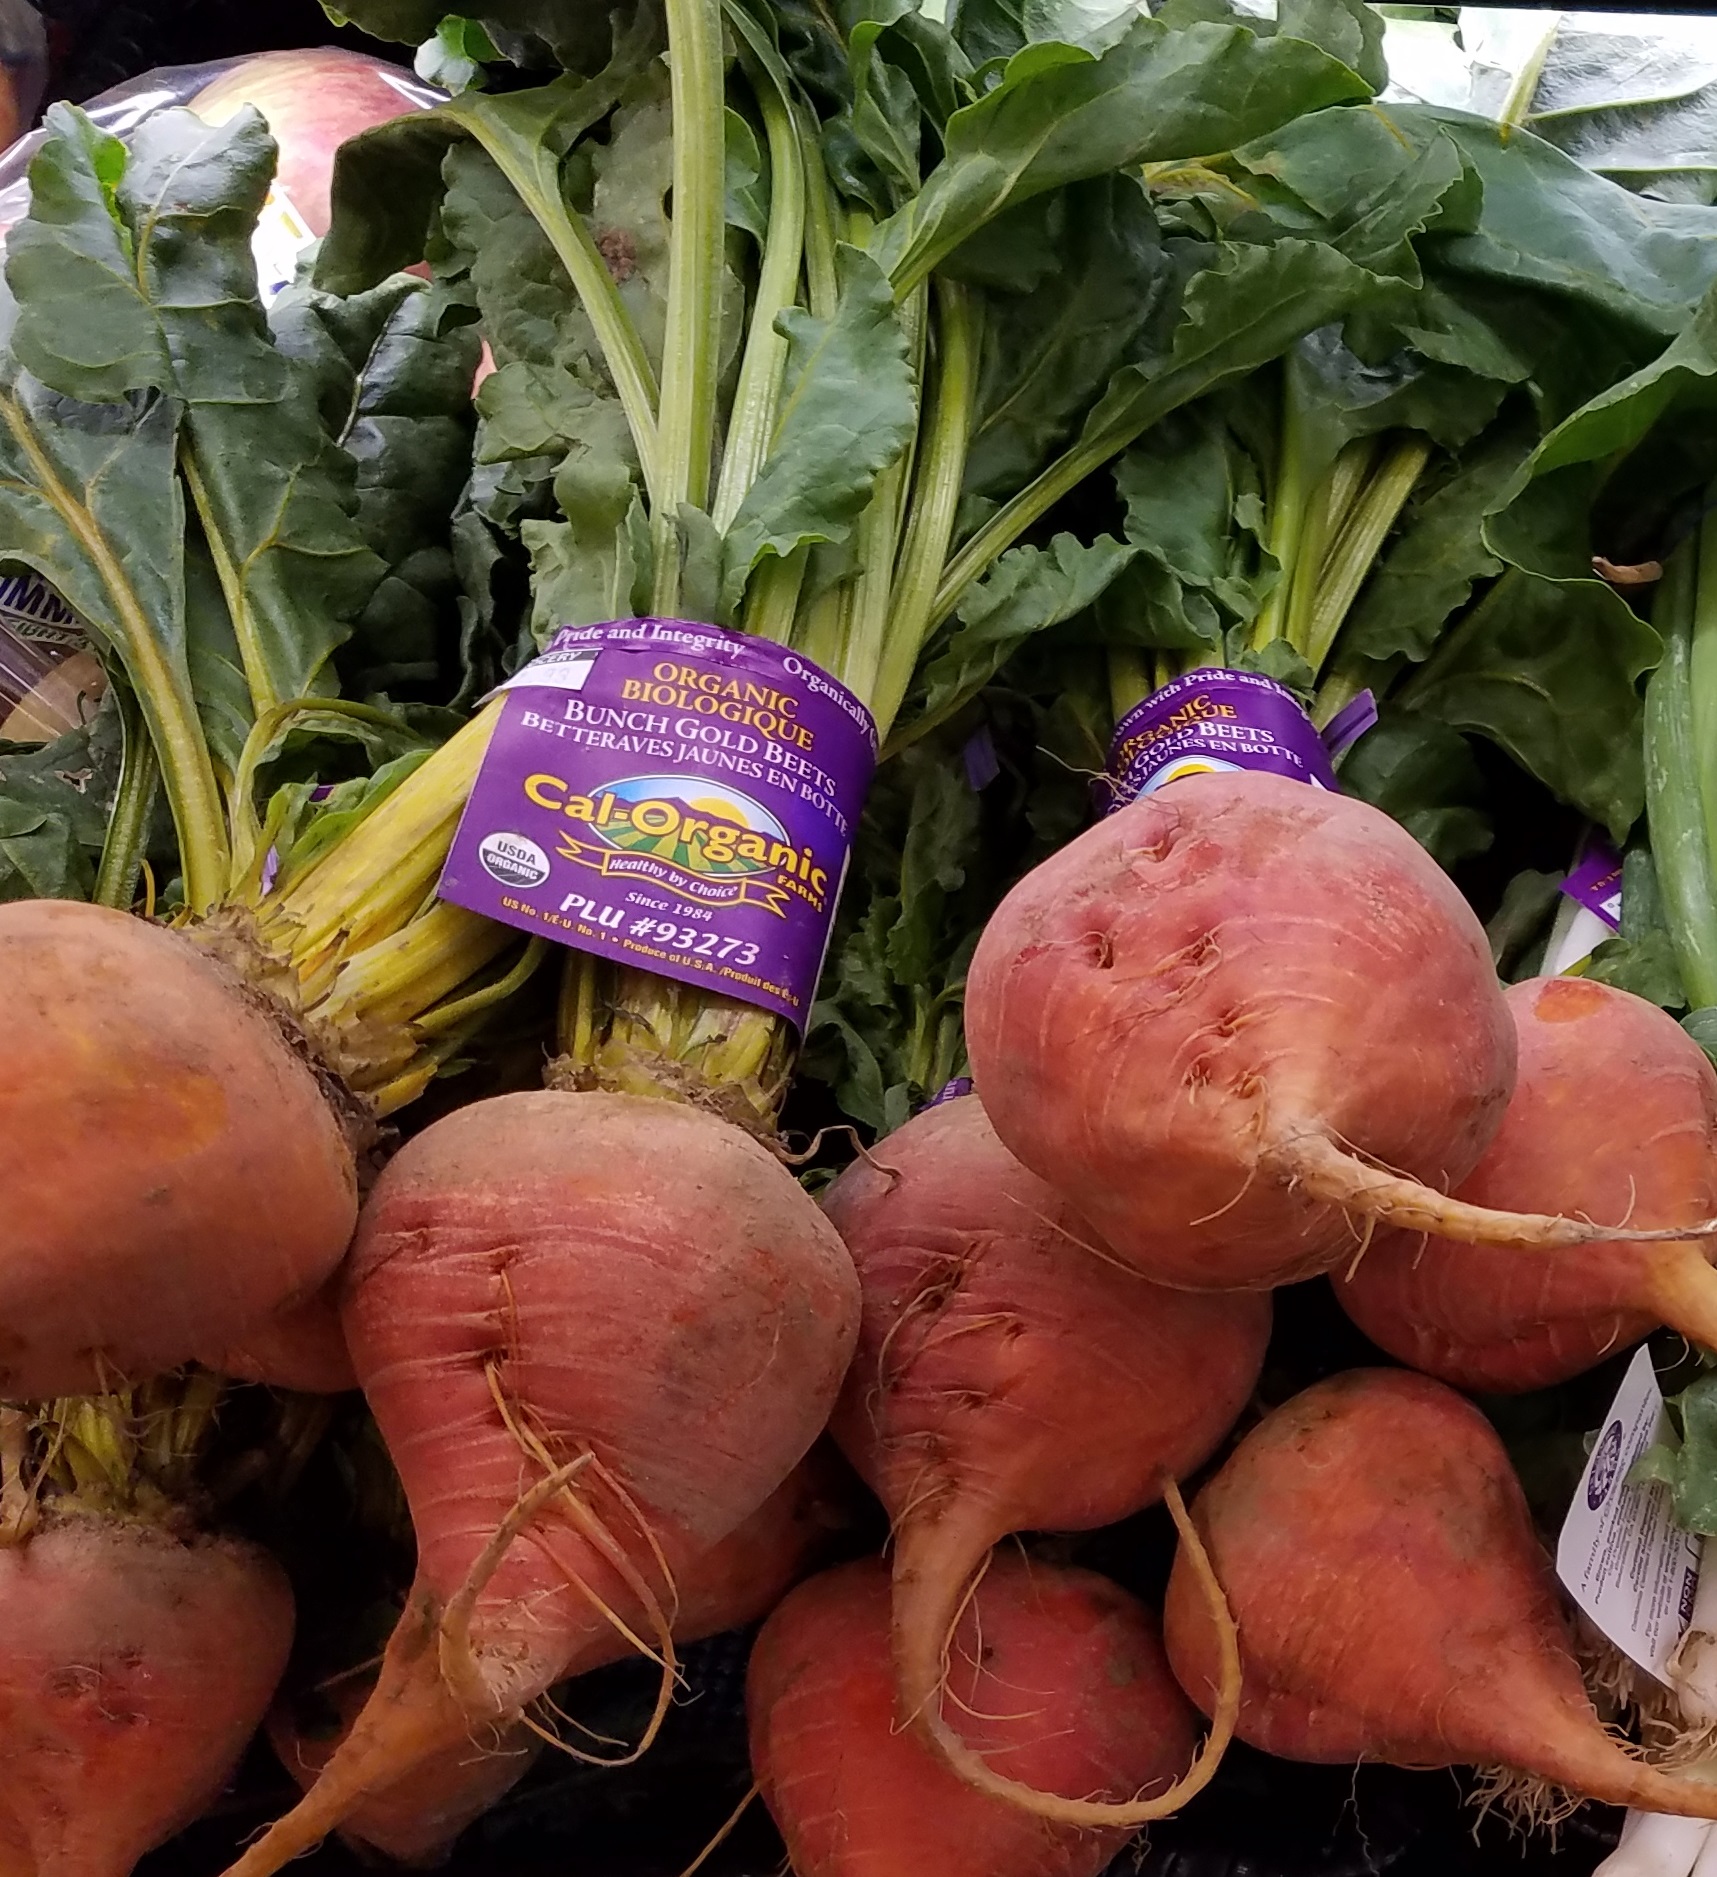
x=704, y=828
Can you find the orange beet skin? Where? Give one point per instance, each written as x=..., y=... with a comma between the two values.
x=173, y=1173
x=1188, y=1017
x=133, y=1670
x=541, y=1282
x=1393, y=1600
x=1057, y=1677
x=1011, y=1375
x=1614, y=1115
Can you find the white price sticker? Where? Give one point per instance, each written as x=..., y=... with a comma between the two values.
x=553, y=671
x=1623, y=1558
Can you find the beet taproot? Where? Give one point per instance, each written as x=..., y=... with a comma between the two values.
x=1614, y=1116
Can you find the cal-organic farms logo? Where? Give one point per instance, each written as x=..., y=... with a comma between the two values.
x=711, y=843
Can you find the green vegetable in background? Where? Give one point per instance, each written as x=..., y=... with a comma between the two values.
x=198, y=494
x=759, y=409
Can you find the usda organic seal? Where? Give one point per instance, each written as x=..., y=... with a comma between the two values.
x=513, y=860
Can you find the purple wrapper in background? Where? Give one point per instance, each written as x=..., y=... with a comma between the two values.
x=671, y=796
x=1596, y=881
x=1210, y=720
x=950, y=1091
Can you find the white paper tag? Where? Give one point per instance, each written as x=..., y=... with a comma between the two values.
x=1623, y=1558
x=282, y=235
x=552, y=671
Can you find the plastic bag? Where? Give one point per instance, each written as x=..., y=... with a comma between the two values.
x=313, y=100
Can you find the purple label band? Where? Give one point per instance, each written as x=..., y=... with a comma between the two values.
x=672, y=796
x=1349, y=724
x=1215, y=720
x=1596, y=881
x=950, y=1091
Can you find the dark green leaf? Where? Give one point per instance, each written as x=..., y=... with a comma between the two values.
x=1688, y=1466
x=1522, y=921
x=1370, y=185
x=747, y=181
x=1550, y=670
x=1649, y=439
x=54, y=803
x=1423, y=775
x=1701, y=1025
x=575, y=37
x=274, y=494
x=90, y=499
x=1237, y=315
x=1195, y=517
x=1429, y=570
x=1641, y=957
x=1059, y=115
x=1108, y=281
x=1551, y=224
x=393, y=384
x=848, y=408
x=1028, y=590
x=1349, y=30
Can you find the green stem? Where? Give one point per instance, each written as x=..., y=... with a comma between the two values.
x=1702, y=674
x=772, y=600
x=870, y=600
x=1349, y=676
x=1357, y=544
x=1131, y=680
x=163, y=692
x=1289, y=501
x=822, y=291
x=946, y=433
x=1032, y=503
x=1517, y=106
x=1328, y=513
x=128, y=826
x=751, y=424
x=538, y=186
x=691, y=351
x=263, y=696
x=1681, y=830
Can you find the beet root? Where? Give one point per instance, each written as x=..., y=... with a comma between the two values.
x=1393, y=1600
x=416, y=1820
x=1011, y=1375
x=1239, y=1021
x=134, y=1669
x=173, y=1171
x=596, y=1332
x=1614, y=1116
x=302, y=1348
x=1057, y=1679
